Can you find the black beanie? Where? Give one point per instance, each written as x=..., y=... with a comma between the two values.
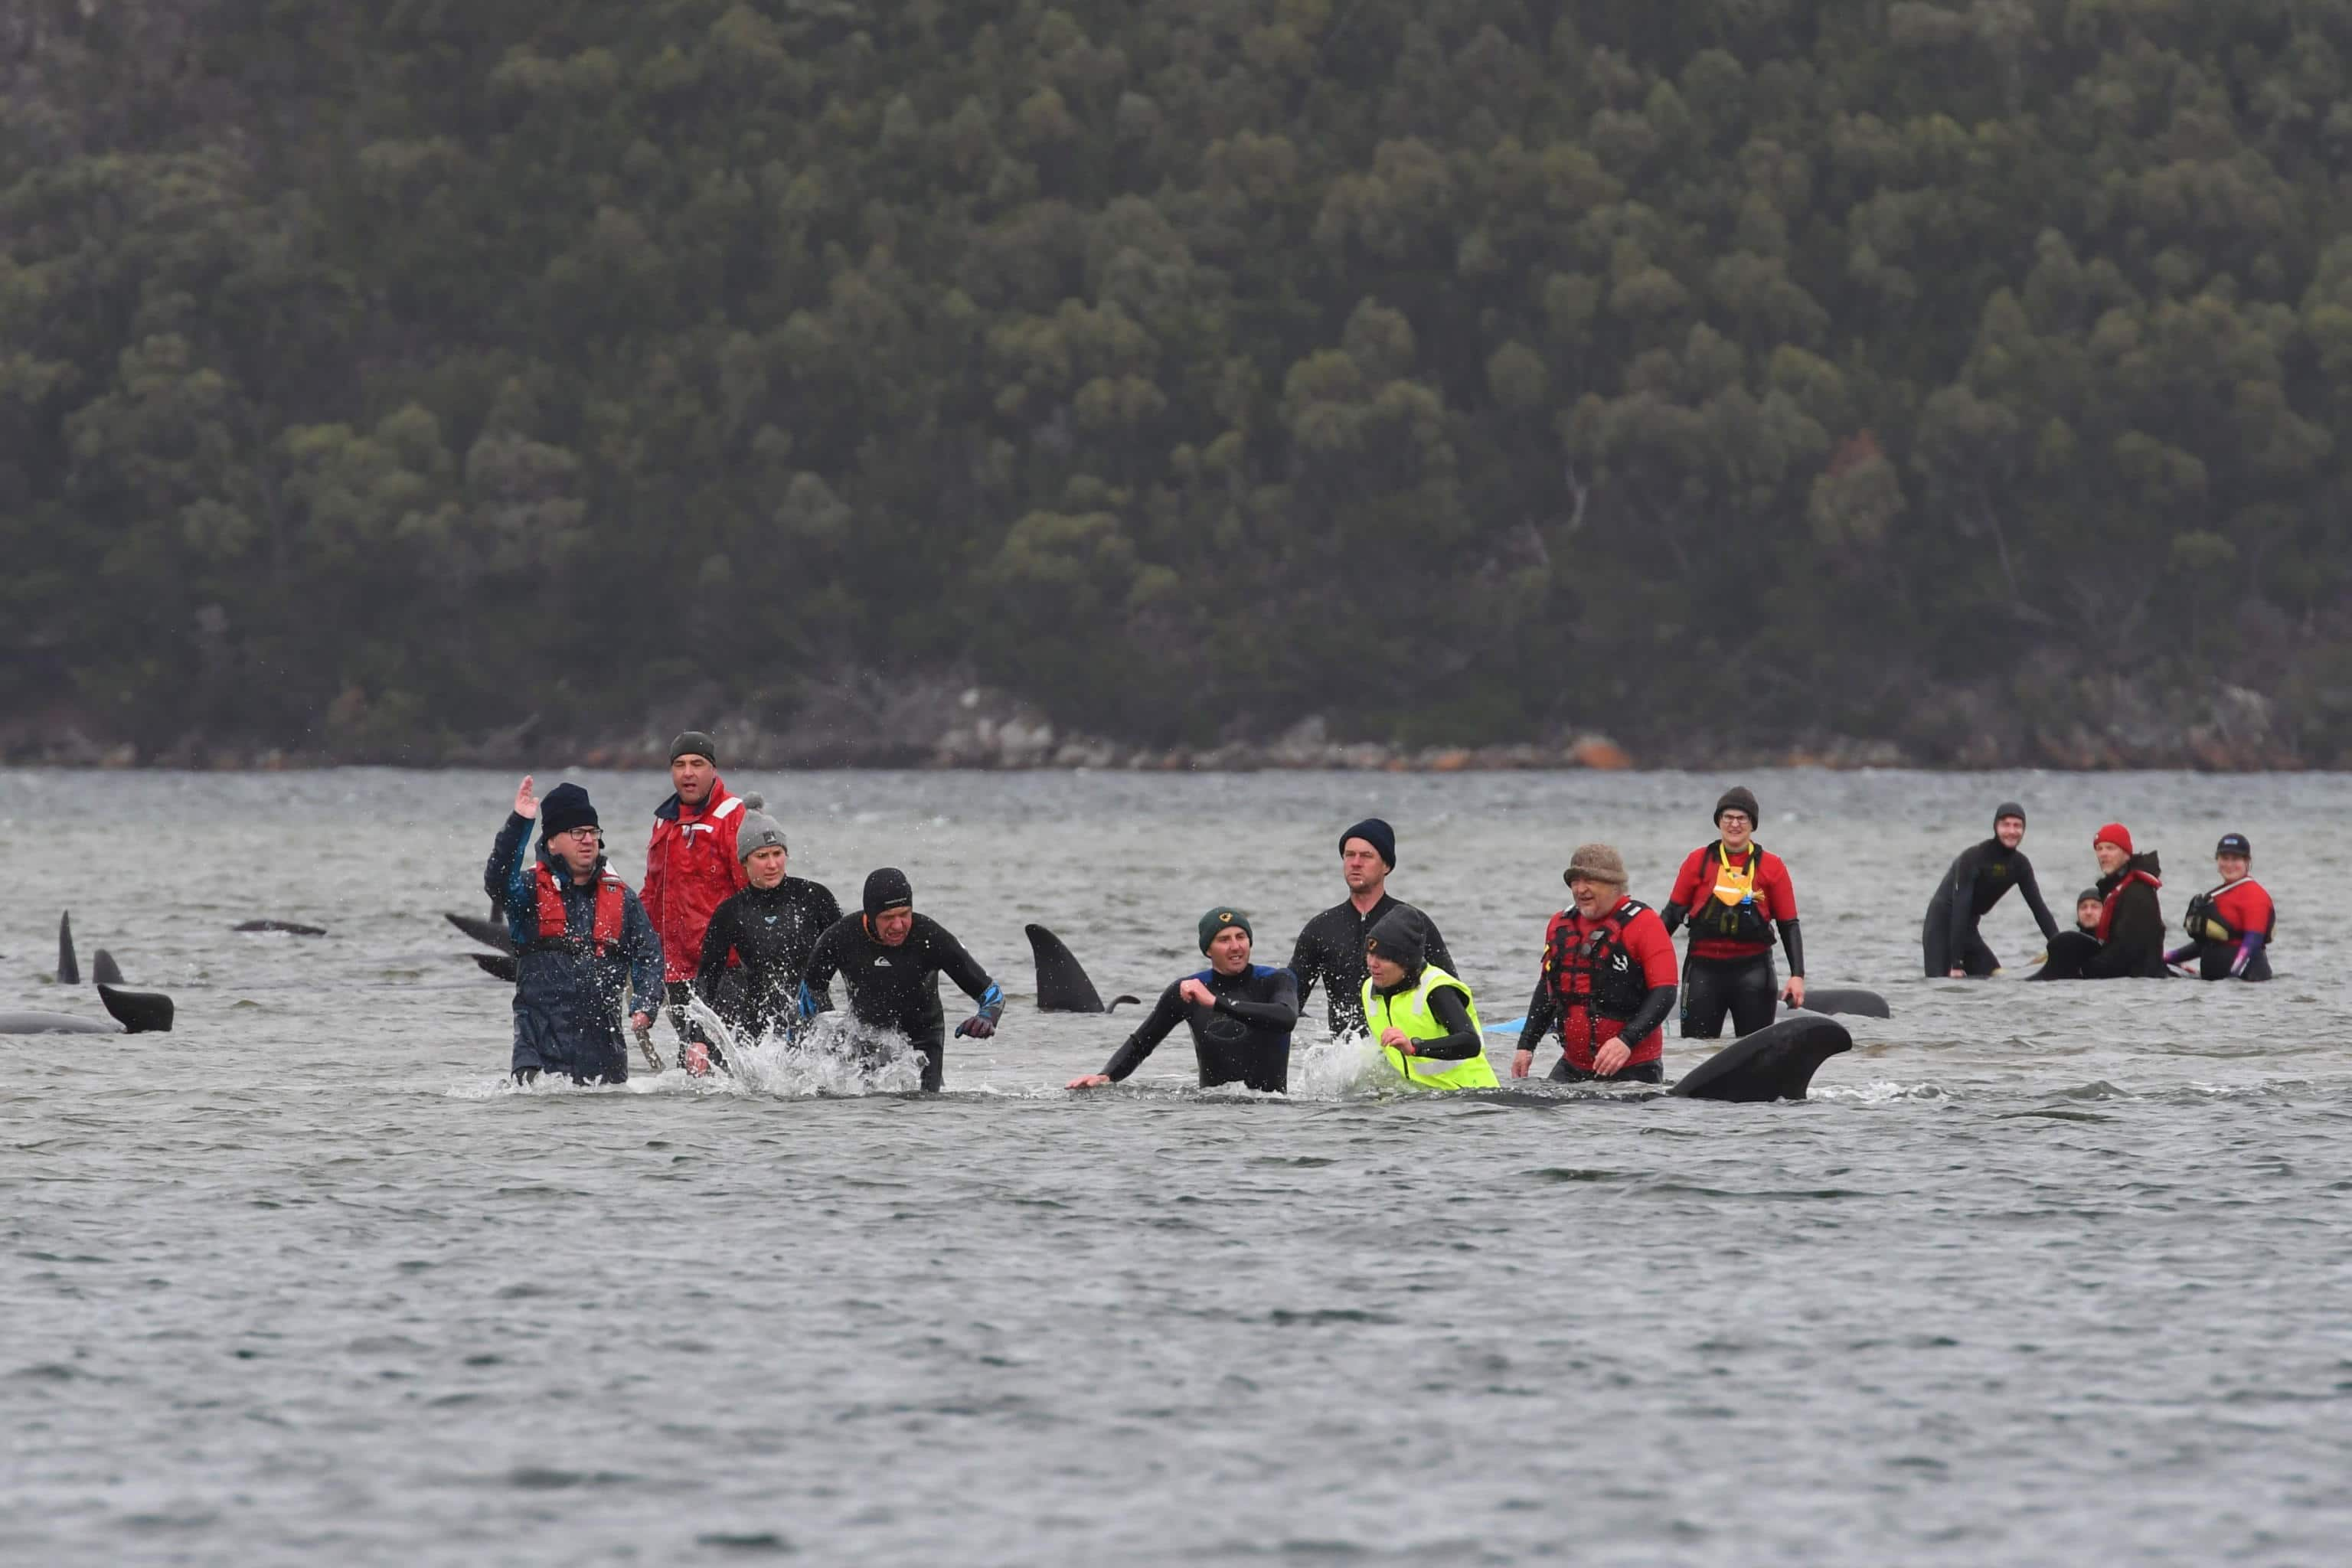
x=1222, y=920
x=2090, y=896
x=1400, y=936
x=2006, y=809
x=887, y=889
x=1376, y=833
x=1739, y=798
x=565, y=808
x=695, y=743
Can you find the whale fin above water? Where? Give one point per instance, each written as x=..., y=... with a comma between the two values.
x=489, y=934
x=68, y=972
x=1062, y=983
x=497, y=966
x=1849, y=999
x=139, y=1012
x=1117, y=1001
x=290, y=928
x=103, y=969
x=1777, y=1062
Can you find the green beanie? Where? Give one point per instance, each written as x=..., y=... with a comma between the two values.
x=1218, y=919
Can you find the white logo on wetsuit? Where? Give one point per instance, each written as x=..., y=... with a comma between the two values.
x=881, y=962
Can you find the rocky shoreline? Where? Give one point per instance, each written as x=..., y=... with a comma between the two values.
x=941, y=725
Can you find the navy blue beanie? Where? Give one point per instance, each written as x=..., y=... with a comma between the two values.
x=1376, y=833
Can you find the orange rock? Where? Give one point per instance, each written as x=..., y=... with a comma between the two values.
x=1451, y=762
x=1600, y=753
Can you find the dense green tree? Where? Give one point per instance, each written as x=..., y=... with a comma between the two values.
x=381, y=373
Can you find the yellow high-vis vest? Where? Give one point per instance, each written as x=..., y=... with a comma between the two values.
x=1411, y=1014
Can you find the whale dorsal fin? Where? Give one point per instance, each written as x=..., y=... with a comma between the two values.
x=139, y=1012
x=1776, y=1062
x=1062, y=983
x=68, y=972
x=103, y=969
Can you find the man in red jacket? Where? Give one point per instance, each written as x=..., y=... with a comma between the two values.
x=1607, y=980
x=690, y=867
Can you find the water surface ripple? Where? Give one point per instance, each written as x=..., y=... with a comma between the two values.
x=2041, y=1275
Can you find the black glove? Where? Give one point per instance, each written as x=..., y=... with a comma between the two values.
x=978, y=1026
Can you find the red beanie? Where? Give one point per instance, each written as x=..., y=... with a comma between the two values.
x=2117, y=834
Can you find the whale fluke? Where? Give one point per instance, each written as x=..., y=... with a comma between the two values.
x=489, y=934
x=1851, y=999
x=497, y=966
x=68, y=972
x=291, y=928
x=56, y=1024
x=103, y=969
x=139, y=1012
x=1062, y=983
x=1774, y=1063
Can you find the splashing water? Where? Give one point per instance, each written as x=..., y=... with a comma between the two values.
x=1344, y=1067
x=831, y=1055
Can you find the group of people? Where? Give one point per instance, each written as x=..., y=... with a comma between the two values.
x=2119, y=929
x=721, y=918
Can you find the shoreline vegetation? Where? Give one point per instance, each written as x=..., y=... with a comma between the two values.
x=1959, y=383
x=948, y=725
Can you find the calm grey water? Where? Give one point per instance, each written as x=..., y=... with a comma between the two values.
x=2041, y=1275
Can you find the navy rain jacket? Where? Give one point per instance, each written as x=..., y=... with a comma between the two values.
x=567, y=1006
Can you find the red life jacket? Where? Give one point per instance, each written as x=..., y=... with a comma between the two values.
x=603, y=935
x=2107, y=905
x=1599, y=982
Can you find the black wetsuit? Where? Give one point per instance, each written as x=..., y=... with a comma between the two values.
x=772, y=931
x=1332, y=949
x=1980, y=877
x=1244, y=1039
x=899, y=987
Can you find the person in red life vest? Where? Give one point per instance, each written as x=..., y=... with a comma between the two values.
x=1735, y=893
x=1607, y=980
x=691, y=869
x=2230, y=927
x=2129, y=942
x=581, y=940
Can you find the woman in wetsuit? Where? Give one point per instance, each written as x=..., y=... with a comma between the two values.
x=1735, y=894
x=2230, y=927
x=758, y=942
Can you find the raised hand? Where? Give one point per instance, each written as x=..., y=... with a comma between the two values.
x=526, y=804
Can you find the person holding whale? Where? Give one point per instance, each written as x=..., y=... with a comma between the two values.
x=890, y=959
x=1735, y=893
x=1607, y=980
x=581, y=940
x=1241, y=1015
x=1980, y=877
x=2127, y=944
x=2230, y=927
x=1330, y=949
x=767, y=931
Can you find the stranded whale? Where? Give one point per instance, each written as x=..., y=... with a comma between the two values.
x=1062, y=983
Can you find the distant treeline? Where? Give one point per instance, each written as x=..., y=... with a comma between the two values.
x=383, y=370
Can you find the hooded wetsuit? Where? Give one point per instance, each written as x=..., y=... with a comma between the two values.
x=1980, y=877
x=897, y=988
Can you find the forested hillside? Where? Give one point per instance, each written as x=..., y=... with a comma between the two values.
x=373, y=374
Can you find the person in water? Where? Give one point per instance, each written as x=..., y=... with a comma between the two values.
x=581, y=939
x=1607, y=980
x=1241, y=1015
x=2128, y=941
x=768, y=931
x=690, y=868
x=2088, y=907
x=1425, y=1020
x=1979, y=879
x=1734, y=892
x=2230, y=927
x=1331, y=947
x=891, y=959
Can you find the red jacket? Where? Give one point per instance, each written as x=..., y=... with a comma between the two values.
x=690, y=870
x=1650, y=955
x=1776, y=897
